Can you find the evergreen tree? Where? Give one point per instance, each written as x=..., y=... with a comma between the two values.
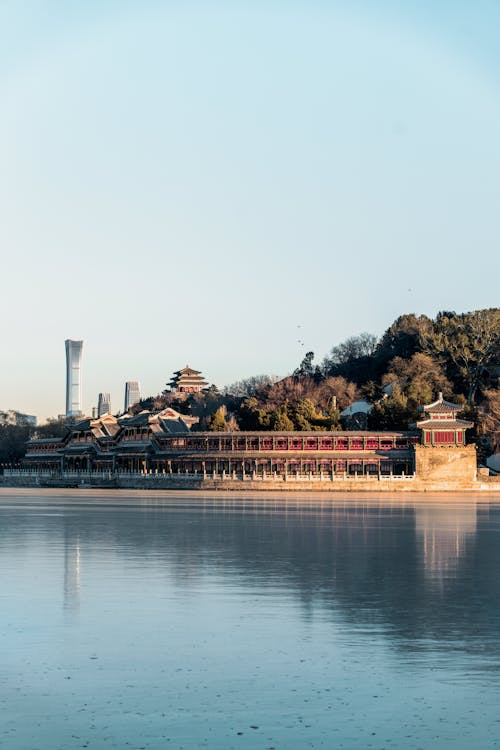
x=306, y=367
x=217, y=422
x=392, y=412
x=280, y=420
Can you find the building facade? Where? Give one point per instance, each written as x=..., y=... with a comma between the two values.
x=163, y=443
x=132, y=394
x=103, y=404
x=74, y=350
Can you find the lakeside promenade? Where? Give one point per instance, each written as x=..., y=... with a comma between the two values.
x=234, y=482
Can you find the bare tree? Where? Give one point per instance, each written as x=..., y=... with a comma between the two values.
x=355, y=347
x=249, y=386
x=467, y=343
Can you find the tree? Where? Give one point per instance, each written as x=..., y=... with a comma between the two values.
x=403, y=338
x=371, y=391
x=420, y=378
x=392, y=412
x=217, y=422
x=249, y=414
x=232, y=424
x=250, y=386
x=466, y=344
x=489, y=418
x=288, y=389
x=343, y=391
x=305, y=416
x=355, y=347
x=353, y=359
x=280, y=420
x=54, y=427
x=13, y=440
x=306, y=367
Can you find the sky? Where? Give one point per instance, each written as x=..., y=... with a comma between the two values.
x=190, y=182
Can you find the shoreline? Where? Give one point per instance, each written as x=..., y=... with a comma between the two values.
x=327, y=489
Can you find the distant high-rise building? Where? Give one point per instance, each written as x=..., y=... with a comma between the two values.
x=103, y=404
x=132, y=393
x=73, y=377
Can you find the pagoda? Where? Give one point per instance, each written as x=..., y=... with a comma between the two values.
x=440, y=426
x=187, y=380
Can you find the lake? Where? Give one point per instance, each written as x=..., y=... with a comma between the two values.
x=139, y=621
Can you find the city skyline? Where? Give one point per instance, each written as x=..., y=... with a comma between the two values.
x=232, y=186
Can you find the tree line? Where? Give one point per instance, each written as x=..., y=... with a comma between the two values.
x=457, y=354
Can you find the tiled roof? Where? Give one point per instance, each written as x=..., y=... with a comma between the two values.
x=81, y=426
x=139, y=420
x=440, y=405
x=187, y=376
x=187, y=371
x=175, y=426
x=357, y=407
x=444, y=424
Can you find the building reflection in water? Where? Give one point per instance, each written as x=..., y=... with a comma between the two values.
x=444, y=535
x=339, y=554
x=72, y=569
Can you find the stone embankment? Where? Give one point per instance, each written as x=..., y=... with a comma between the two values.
x=395, y=484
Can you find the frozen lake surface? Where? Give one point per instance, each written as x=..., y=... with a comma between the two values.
x=185, y=621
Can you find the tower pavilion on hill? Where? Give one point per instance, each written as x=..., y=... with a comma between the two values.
x=440, y=426
x=188, y=381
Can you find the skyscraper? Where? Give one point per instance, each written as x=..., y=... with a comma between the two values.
x=103, y=404
x=73, y=377
x=132, y=393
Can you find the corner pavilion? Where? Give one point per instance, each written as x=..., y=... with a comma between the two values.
x=440, y=426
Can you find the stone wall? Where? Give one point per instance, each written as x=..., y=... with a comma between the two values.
x=157, y=483
x=456, y=465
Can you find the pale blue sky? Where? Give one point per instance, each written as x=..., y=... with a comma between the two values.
x=188, y=182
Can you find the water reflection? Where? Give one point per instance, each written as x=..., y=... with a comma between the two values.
x=203, y=622
x=378, y=558
x=72, y=563
x=444, y=537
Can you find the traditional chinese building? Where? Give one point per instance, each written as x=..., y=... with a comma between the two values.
x=187, y=381
x=440, y=425
x=162, y=443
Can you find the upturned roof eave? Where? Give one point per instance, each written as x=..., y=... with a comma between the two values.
x=444, y=423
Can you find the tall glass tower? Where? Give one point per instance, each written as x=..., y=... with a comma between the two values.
x=132, y=393
x=73, y=377
x=103, y=404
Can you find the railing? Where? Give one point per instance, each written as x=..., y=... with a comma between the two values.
x=19, y=473
x=86, y=476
